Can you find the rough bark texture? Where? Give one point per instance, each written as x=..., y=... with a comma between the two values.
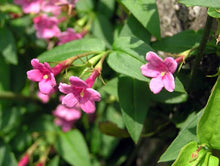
x=175, y=17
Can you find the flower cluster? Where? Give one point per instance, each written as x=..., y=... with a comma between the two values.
x=48, y=16
x=79, y=94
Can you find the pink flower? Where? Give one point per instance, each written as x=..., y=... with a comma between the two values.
x=49, y=6
x=44, y=98
x=80, y=93
x=68, y=35
x=66, y=117
x=160, y=71
x=24, y=160
x=43, y=74
x=46, y=27
x=29, y=6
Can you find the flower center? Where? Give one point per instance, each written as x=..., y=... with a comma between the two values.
x=82, y=93
x=45, y=76
x=162, y=73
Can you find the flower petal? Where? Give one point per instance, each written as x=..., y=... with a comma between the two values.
x=94, y=95
x=46, y=86
x=36, y=65
x=34, y=75
x=65, y=88
x=88, y=106
x=156, y=85
x=149, y=70
x=171, y=64
x=154, y=60
x=168, y=81
x=70, y=100
x=77, y=82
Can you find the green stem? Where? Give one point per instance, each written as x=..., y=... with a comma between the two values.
x=17, y=97
x=202, y=47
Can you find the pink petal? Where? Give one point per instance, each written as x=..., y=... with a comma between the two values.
x=149, y=70
x=34, y=75
x=88, y=106
x=46, y=86
x=171, y=64
x=73, y=115
x=94, y=95
x=52, y=80
x=168, y=81
x=77, y=82
x=154, y=59
x=65, y=88
x=36, y=65
x=156, y=85
x=70, y=100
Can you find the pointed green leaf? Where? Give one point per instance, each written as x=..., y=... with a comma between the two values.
x=102, y=28
x=125, y=64
x=130, y=29
x=72, y=49
x=209, y=124
x=185, y=156
x=146, y=13
x=209, y=3
x=178, y=43
x=72, y=147
x=134, y=102
x=128, y=56
x=186, y=135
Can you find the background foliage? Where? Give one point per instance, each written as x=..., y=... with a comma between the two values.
x=131, y=125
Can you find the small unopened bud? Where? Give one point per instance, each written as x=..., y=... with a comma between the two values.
x=24, y=160
x=180, y=59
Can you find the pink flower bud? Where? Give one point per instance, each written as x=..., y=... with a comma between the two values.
x=24, y=160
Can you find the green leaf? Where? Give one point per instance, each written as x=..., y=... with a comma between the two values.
x=178, y=43
x=128, y=56
x=110, y=128
x=213, y=161
x=6, y=156
x=213, y=12
x=185, y=156
x=125, y=64
x=205, y=3
x=84, y=5
x=5, y=75
x=136, y=48
x=209, y=124
x=72, y=49
x=186, y=135
x=134, y=102
x=54, y=161
x=7, y=46
x=106, y=7
x=130, y=29
x=9, y=119
x=72, y=147
x=102, y=28
x=146, y=13
x=111, y=87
